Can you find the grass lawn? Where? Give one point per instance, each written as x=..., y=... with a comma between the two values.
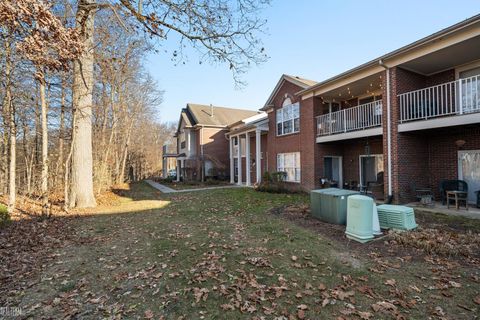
x=223, y=254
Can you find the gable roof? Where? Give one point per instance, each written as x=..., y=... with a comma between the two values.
x=301, y=82
x=199, y=114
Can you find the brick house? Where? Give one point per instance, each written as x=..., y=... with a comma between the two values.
x=202, y=146
x=280, y=134
x=403, y=121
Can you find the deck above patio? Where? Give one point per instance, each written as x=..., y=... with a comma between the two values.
x=359, y=121
x=447, y=104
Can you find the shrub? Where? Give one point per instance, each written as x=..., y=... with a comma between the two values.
x=4, y=215
x=275, y=183
x=279, y=176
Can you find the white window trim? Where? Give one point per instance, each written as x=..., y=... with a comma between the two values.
x=293, y=121
x=297, y=165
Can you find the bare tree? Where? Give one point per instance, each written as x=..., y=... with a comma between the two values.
x=223, y=31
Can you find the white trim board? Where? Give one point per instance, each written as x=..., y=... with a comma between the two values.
x=378, y=131
x=455, y=120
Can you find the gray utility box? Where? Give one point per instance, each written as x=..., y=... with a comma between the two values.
x=330, y=205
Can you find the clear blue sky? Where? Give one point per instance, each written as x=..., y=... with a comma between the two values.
x=315, y=39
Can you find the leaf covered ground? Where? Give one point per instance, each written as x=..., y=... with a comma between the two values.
x=223, y=254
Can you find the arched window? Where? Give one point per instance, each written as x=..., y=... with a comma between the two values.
x=288, y=117
x=287, y=102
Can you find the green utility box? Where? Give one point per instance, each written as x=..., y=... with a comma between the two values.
x=396, y=217
x=330, y=205
x=360, y=218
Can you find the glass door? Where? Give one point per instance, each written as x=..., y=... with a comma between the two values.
x=332, y=169
x=469, y=171
x=370, y=167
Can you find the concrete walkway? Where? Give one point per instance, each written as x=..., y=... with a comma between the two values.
x=165, y=189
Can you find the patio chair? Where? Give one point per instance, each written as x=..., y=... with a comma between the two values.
x=451, y=185
x=424, y=195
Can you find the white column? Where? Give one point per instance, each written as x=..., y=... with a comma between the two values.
x=258, y=155
x=178, y=170
x=247, y=159
x=232, y=161
x=239, y=161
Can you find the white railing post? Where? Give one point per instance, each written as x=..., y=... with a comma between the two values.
x=460, y=96
x=344, y=120
x=329, y=123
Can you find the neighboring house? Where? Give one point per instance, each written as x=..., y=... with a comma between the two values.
x=202, y=145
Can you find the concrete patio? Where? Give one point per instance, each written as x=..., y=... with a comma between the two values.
x=473, y=212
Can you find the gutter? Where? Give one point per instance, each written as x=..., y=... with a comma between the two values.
x=389, y=133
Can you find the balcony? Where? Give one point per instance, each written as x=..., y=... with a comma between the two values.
x=365, y=116
x=446, y=104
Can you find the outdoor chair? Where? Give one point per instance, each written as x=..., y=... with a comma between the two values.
x=423, y=194
x=451, y=185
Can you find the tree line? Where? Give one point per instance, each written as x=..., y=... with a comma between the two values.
x=79, y=109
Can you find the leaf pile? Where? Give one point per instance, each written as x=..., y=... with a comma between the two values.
x=440, y=241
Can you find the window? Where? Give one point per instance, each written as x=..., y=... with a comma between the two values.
x=181, y=138
x=289, y=163
x=288, y=119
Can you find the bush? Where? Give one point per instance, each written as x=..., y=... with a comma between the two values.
x=275, y=183
x=4, y=215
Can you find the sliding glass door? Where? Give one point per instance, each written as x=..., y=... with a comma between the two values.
x=469, y=171
x=370, y=167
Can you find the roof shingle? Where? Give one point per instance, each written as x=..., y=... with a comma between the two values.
x=222, y=116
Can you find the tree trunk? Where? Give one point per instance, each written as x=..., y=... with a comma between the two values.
x=61, y=138
x=44, y=176
x=10, y=111
x=81, y=189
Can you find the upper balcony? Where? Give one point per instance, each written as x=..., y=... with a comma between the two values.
x=362, y=120
x=447, y=104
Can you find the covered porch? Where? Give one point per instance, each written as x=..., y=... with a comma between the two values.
x=351, y=110
x=429, y=157
x=440, y=89
x=247, y=150
x=356, y=164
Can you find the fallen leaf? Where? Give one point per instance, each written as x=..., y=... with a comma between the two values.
x=391, y=282
x=148, y=314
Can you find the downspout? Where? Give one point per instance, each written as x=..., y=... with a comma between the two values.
x=389, y=133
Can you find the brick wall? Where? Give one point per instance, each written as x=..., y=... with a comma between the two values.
x=303, y=141
x=403, y=147
x=443, y=152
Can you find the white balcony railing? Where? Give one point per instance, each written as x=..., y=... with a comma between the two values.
x=452, y=98
x=361, y=117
